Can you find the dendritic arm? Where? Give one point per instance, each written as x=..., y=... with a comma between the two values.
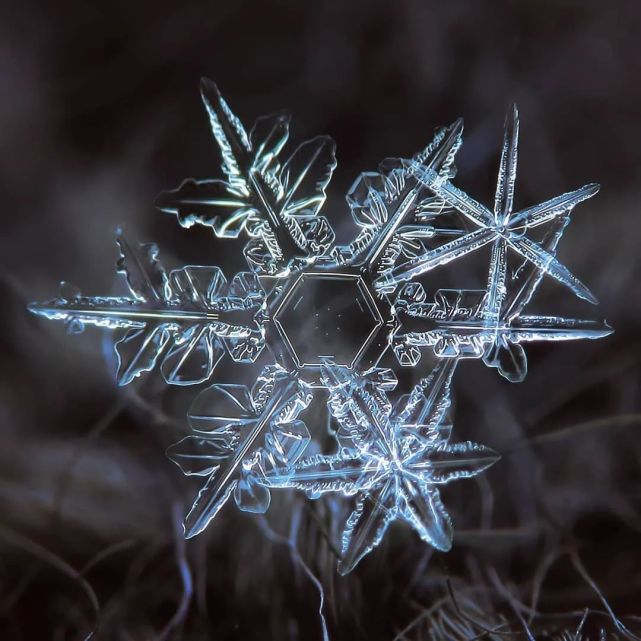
x=456, y=326
x=395, y=472
x=184, y=319
x=499, y=226
x=264, y=433
x=394, y=210
x=277, y=205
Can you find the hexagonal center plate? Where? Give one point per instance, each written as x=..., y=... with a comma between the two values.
x=328, y=317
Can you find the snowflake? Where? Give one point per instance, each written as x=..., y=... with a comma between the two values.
x=326, y=315
x=399, y=457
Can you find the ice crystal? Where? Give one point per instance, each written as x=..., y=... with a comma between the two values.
x=239, y=434
x=398, y=458
x=326, y=315
x=276, y=204
x=500, y=227
x=189, y=318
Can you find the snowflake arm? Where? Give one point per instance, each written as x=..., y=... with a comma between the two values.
x=185, y=320
x=277, y=205
x=446, y=253
x=503, y=202
x=550, y=209
x=394, y=473
x=392, y=207
x=547, y=263
x=388, y=486
x=499, y=225
x=241, y=434
x=458, y=326
x=421, y=414
x=346, y=472
x=504, y=197
x=367, y=524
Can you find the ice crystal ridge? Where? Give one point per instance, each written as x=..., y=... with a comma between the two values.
x=326, y=316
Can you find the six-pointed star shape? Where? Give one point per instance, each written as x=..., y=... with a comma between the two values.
x=501, y=227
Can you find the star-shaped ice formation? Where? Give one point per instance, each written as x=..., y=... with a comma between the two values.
x=500, y=227
x=323, y=315
x=398, y=458
x=489, y=323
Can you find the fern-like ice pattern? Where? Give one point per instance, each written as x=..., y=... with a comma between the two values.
x=327, y=316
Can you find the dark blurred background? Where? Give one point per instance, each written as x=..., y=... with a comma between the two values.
x=99, y=111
